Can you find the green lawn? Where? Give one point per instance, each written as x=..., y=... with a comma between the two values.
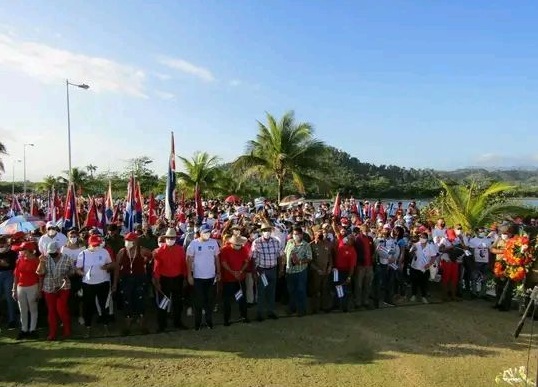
x=453, y=344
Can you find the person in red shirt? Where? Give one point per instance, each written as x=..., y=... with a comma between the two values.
x=364, y=274
x=131, y=273
x=234, y=260
x=27, y=288
x=169, y=271
x=344, y=263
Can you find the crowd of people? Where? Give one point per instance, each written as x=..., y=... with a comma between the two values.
x=310, y=258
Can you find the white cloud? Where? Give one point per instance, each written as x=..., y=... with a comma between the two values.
x=164, y=95
x=506, y=161
x=50, y=65
x=162, y=77
x=188, y=68
x=235, y=82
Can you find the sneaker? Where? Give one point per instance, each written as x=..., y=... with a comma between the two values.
x=22, y=335
x=424, y=300
x=81, y=320
x=189, y=312
x=413, y=299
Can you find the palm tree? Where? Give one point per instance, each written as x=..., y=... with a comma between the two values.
x=473, y=206
x=201, y=169
x=3, y=151
x=91, y=169
x=282, y=150
x=78, y=177
x=47, y=184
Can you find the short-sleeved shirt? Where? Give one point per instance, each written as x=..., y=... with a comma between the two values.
x=203, y=253
x=90, y=262
x=423, y=255
x=480, y=248
x=266, y=252
x=72, y=253
x=302, y=251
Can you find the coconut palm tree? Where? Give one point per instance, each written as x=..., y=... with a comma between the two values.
x=3, y=151
x=78, y=177
x=91, y=169
x=47, y=184
x=282, y=149
x=201, y=169
x=473, y=206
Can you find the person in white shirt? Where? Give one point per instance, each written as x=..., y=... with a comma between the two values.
x=72, y=249
x=424, y=255
x=52, y=235
x=480, y=245
x=94, y=264
x=388, y=254
x=439, y=230
x=203, y=267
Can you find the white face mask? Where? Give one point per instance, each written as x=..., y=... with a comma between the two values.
x=423, y=240
x=129, y=244
x=266, y=234
x=297, y=238
x=73, y=240
x=504, y=237
x=253, y=235
x=205, y=236
x=236, y=232
x=52, y=233
x=170, y=242
x=458, y=232
x=162, y=244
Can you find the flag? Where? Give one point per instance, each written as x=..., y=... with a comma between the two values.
x=71, y=213
x=33, y=208
x=198, y=202
x=152, y=214
x=91, y=219
x=58, y=207
x=109, y=205
x=103, y=221
x=169, y=209
x=16, y=208
x=51, y=211
x=116, y=214
x=336, y=209
x=139, y=200
x=129, y=214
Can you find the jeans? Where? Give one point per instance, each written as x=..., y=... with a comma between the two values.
x=57, y=306
x=89, y=292
x=203, y=300
x=6, y=286
x=27, y=298
x=385, y=286
x=364, y=277
x=229, y=289
x=266, y=294
x=171, y=287
x=297, y=291
x=133, y=292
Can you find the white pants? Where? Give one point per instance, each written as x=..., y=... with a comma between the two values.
x=27, y=298
x=249, y=283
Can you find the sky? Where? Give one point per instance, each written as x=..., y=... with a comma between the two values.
x=423, y=84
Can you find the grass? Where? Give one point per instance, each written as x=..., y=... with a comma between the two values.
x=452, y=344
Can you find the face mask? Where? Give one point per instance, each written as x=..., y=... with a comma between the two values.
x=129, y=244
x=205, y=236
x=254, y=235
x=73, y=240
x=423, y=240
x=4, y=249
x=54, y=255
x=481, y=235
x=237, y=247
x=458, y=232
x=504, y=237
x=345, y=241
x=51, y=233
x=170, y=242
x=162, y=244
x=266, y=234
x=237, y=232
x=297, y=238
x=102, y=245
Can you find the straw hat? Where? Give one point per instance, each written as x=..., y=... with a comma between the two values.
x=170, y=233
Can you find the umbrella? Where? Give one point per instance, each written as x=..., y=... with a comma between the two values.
x=290, y=200
x=232, y=199
x=14, y=224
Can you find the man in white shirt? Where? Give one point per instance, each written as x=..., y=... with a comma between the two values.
x=94, y=264
x=388, y=253
x=424, y=255
x=480, y=245
x=52, y=235
x=203, y=267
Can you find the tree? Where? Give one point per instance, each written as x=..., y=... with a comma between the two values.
x=282, y=150
x=47, y=184
x=139, y=167
x=78, y=177
x=201, y=169
x=473, y=206
x=91, y=169
x=3, y=151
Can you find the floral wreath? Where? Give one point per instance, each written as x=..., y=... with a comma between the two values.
x=517, y=259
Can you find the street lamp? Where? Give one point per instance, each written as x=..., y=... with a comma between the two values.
x=81, y=86
x=24, y=167
x=13, y=183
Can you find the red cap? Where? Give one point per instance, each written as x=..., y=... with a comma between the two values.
x=18, y=235
x=94, y=240
x=344, y=221
x=132, y=236
x=25, y=246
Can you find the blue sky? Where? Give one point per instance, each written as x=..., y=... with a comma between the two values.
x=437, y=84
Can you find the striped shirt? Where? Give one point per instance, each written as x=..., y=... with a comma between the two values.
x=265, y=252
x=57, y=274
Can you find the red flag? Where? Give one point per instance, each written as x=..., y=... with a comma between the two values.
x=116, y=214
x=152, y=214
x=33, y=208
x=198, y=201
x=138, y=198
x=336, y=209
x=91, y=219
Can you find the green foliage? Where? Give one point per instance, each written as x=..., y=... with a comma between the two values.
x=201, y=169
x=140, y=168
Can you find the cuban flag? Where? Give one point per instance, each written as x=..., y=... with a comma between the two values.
x=169, y=209
x=92, y=219
x=109, y=206
x=336, y=209
x=70, y=215
x=152, y=213
x=138, y=204
x=129, y=214
x=16, y=208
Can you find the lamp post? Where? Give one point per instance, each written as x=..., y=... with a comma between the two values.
x=13, y=183
x=24, y=166
x=81, y=86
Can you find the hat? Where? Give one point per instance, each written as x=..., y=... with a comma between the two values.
x=170, y=233
x=94, y=240
x=205, y=228
x=52, y=247
x=17, y=235
x=237, y=240
x=236, y=227
x=344, y=221
x=266, y=226
x=50, y=224
x=25, y=246
x=132, y=236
